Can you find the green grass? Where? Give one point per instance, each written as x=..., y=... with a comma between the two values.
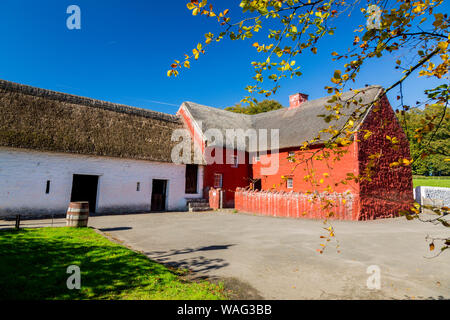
x=431, y=181
x=33, y=265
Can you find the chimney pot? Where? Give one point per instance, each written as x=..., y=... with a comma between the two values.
x=297, y=99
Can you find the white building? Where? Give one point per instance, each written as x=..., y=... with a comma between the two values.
x=56, y=148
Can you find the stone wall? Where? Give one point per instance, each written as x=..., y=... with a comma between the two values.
x=433, y=196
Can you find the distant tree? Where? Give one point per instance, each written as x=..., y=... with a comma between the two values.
x=433, y=147
x=260, y=107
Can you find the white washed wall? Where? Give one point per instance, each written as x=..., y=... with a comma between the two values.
x=23, y=177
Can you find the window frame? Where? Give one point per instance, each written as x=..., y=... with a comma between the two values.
x=291, y=182
x=220, y=176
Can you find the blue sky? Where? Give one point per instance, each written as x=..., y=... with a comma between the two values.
x=124, y=49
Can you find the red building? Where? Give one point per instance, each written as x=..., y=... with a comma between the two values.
x=279, y=166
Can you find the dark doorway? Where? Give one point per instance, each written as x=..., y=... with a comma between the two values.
x=159, y=195
x=257, y=185
x=84, y=188
x=191, y=178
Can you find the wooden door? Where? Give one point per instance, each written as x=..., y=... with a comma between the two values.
x=158, y=201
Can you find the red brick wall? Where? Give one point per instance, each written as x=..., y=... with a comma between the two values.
x=391, y=188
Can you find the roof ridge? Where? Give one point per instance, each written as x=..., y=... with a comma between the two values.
x=253, y=116
x=89, y=102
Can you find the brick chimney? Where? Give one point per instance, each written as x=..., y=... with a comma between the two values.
x=297, y=99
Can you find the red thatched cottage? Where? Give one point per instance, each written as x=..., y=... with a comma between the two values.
x=284, y=191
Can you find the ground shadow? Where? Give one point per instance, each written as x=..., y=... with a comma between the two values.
x=196, y=264
x=115, y=229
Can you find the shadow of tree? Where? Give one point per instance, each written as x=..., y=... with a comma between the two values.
x=197, y=264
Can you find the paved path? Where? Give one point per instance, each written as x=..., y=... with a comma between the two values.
x=276, y=258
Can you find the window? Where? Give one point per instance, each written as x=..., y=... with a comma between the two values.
x=191, y=178
x=138, y=186
x=235, y=160
x=47, y=188
x=218, y=180
x=291, y=156
x=290, y=183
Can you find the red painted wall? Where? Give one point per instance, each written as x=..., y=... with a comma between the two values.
x=195, y=134
x=232, y=177
x=337, y=170
x=391, y=188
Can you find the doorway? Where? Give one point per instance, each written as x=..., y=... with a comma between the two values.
x=257, y=185
x=159, y=195
x=84, y=188
x=191, y=178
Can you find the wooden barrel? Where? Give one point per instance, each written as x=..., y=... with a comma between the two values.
x=77, y=214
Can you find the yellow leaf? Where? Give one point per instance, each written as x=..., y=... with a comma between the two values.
x=190, y=5
x=443, y=45
x=393, y=164
x=186, y=64
x=195, y=11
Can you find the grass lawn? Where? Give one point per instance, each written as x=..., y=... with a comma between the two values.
x=431, y=181
x=33, y=265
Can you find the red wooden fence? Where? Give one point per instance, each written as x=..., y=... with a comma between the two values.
x=296, y=205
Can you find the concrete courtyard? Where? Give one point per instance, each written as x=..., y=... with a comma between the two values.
x=277, y=258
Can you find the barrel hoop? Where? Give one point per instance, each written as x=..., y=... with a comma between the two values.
x=77, y=217
x=83, y=210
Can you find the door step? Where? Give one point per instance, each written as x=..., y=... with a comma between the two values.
x=195, y=205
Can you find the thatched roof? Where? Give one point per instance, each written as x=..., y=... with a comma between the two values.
x=295, y=125
x=46, y=120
